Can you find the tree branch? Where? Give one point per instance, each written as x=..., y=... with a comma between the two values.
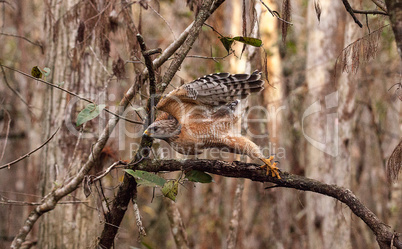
x=184, y=44
x=255, y=173
x=207, y=8
x=370, y=12
x=7, y=165
x=69, y=92
x=351, y=12
x=26, y=39
x=380, y=5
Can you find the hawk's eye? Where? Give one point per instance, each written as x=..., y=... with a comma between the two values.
x=156, y=129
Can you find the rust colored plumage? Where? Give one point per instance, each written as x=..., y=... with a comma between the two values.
x=202, y=114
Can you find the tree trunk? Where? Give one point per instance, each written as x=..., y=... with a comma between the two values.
x=394, y=8
x=73, y=54
x=327, y=227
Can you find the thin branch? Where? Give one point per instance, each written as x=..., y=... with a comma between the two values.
x=207, y=8
x=25, y=203
x=351, y=12
x=24, y=38
x=121, y=117
x=107, y=171
x=71, y=93
x=12, y=89
x=7, y=165
x=380, y=4
x=47, y=83
x=254, y=172
x=6, y=135
x=213, y=29
x=275, y=14
x=209, y=57
x=370, y=12
x=161, y=17
x=149, y=64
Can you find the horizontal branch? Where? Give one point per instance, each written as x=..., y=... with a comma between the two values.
x=370, y=12
x=255, y=173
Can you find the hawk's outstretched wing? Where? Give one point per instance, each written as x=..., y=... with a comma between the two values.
x=208, y=92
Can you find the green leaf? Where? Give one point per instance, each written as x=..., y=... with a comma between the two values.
x=170, y=189
x=146, y=245
x=90, y=112
x=248, y=40
x=36, y=72
x=46, y=71
x=146, y=179
x=198, y=176
x=227, y=43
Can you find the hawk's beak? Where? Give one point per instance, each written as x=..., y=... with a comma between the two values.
x=146, y=132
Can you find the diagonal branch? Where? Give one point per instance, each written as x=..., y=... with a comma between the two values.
x=255, y=173
x=351, y=12
x=7, y=165
x=69, y=92
x=380, y=4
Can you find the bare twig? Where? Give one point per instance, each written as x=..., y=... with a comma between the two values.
x=380, y=4
x=210, y=57
x=7, y=165
x=121, y=117
x=213, y=29
x=275, y=14
x=98, y=59
x=351, y=12
x=161, y=17
x=12, y=89
x=207, y=8
x=6, y=135
x=24, y=38
x=370, y=12
x=71, y=93
x=107, y=171
x=149, y=64
x=5, y=201
x=47, y=83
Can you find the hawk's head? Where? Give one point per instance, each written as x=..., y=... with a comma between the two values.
x=163, y=129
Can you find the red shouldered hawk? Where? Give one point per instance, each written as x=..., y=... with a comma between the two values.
x=201, y=115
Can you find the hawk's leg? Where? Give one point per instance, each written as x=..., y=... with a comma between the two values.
x=242, y=145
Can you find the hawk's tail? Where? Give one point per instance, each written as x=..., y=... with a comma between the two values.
x=221, y=88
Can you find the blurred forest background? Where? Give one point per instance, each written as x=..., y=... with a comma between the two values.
x=89, y=50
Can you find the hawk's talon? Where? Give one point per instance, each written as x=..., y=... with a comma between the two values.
x=270, y=167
